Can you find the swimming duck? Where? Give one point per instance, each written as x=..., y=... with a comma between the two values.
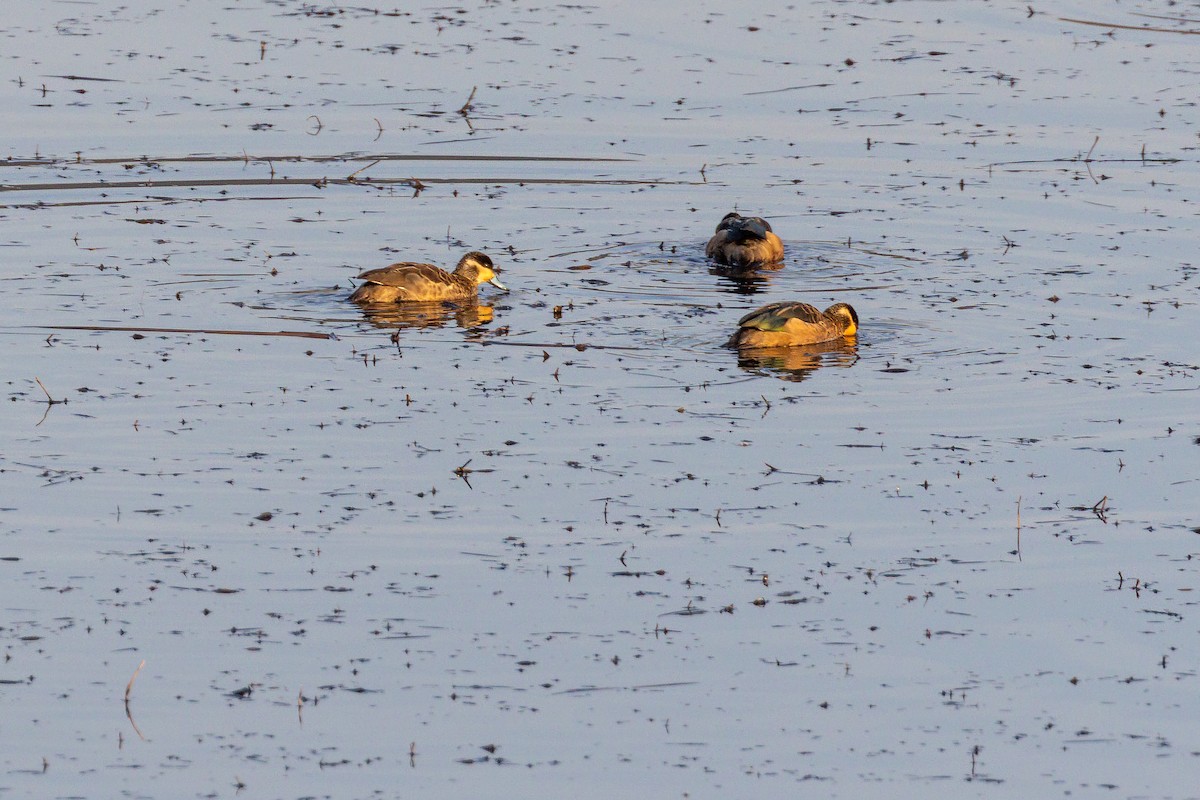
x=789, y=324
x=410, y=282
x=745, y=242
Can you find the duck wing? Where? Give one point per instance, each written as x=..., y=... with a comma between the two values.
x=775, y=316
x=406, y=275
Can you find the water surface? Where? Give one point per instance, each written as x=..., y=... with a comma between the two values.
x=565, y=542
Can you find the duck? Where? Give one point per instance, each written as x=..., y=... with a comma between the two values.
x=744, y=242
x=789, y=324
x=412, y=282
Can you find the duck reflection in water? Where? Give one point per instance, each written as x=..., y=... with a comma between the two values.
x=799, y=362
x=467, y=314
x=744, y=281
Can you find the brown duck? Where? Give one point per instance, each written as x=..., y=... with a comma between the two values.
x=789, y=324
x=744, y=242
x=412, y=282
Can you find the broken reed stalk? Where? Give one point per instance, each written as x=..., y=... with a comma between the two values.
x=466, y=107
x=352, y=175
x=50, y=400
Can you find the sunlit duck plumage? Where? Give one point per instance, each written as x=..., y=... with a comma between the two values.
x=744, y=242
x=789, y=324
x=411, y=282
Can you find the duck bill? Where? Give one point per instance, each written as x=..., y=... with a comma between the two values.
x=496, y=282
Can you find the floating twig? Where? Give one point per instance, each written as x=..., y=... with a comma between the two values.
x=580, y=346
x=323, y=182
x=316, y=159
x=210, y=331
x=128, y=693
x=129, y=686
x=1118, y=26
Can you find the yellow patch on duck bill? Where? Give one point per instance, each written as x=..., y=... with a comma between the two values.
x=489, y=276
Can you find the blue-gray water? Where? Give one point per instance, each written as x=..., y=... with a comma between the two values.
x=569, y=544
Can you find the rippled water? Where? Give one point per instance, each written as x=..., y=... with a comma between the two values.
x=566, y=532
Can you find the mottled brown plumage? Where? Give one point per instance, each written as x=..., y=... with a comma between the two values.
x=411, y=282
x=789, y=324
x=744, y=242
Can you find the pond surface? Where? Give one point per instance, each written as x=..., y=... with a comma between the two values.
x=564, y=542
